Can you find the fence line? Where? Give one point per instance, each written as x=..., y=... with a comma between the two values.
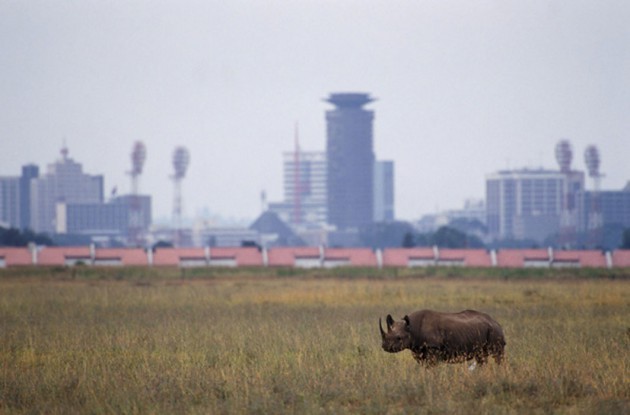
x=311, y=257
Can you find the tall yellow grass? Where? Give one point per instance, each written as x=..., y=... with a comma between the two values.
x=253, y=344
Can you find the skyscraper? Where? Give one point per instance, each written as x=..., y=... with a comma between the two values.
x=350, y=157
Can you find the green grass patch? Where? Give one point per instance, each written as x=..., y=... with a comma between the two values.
x=230, y=341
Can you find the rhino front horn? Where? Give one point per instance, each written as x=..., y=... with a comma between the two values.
x=380, y=326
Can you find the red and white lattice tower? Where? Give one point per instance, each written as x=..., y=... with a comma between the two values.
x=595, y=220
x=135, y=226
x=297, y=181
x=568, y=218
x=181, y=159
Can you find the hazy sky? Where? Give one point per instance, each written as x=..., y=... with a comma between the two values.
x=464, y=88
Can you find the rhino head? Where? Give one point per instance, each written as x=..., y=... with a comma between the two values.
x=398, y=335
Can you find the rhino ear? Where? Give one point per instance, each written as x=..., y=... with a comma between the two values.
x=406, y=318
x=390, y=321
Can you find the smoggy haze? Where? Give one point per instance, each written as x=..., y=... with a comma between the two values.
x=464, y=88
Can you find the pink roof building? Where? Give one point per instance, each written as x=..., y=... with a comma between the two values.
x=175, y=257
x=11, y=257
x=621, y=258
x=407, y=257
x=64, y=255
x=242, y=256
x=589, y=259
x=465, y=257
x=518, y=258
x=134, y=257
x=357, y=257
x=305, y=257
x=193, y=257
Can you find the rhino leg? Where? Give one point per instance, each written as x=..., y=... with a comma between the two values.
x=425, y=358
x=497, y=349
x=498, y=354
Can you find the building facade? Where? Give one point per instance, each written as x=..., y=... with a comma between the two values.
x=15, y=198
x=111, y=219
x=64, y=182
x=350, y=157
x=304, y=180
x=611, y=206
x=29, y=172
x=532, y=204
x=10, y=202
x=383, y=191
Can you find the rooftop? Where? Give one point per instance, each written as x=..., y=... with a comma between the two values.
x=349, y=99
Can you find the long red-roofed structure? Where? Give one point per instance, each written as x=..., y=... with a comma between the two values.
x=308, y=257
x=14, y=257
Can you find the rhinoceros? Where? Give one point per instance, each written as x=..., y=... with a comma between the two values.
x=435, y=337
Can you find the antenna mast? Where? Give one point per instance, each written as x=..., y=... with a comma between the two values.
x=181, y=159
x=564, y=156
x=595, y=220
x=297, y=181
x=138, y=156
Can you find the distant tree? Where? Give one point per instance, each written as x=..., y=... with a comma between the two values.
x=409, y=240
x=384, y=234
x=396, y=234
x=511, y=243
x=612, y=236
x=424, y=239
x=251, y=244
x=38, y=238
x=15, y=237
x=68, y=239
x=469, y=226
x=447, y=237
x=11, y=237
x=161, y=244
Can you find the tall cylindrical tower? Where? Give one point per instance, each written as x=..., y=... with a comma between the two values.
x=350, y=154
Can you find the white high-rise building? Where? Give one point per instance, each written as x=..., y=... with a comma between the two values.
x=532, y=204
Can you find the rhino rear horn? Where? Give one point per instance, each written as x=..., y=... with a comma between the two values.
x=390, y=321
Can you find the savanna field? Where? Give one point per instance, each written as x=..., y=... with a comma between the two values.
x=203, y=341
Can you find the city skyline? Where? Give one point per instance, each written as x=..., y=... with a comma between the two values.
x=462, y=90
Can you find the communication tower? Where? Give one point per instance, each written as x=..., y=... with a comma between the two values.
x=181, y=159
x=138, y=156
x=568, y=218
x=564, y=155
x=595, y=220
x=592, y=160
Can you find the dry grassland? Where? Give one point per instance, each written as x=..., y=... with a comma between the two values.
x=256, y=344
